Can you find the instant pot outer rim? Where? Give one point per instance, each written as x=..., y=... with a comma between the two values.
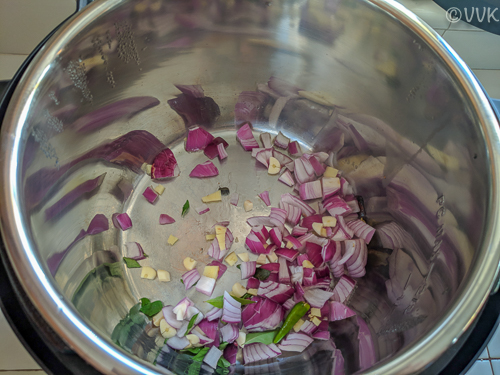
x=99, y=351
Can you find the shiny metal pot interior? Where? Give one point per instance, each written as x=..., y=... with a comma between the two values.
x=433, y=143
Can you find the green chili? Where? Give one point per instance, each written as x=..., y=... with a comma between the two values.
x=297, y=312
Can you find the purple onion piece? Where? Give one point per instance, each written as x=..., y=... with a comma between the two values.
x=164, y=165
x=190, y=278
x=211, y=150
x=206, y=169
x=197, y=139
x=150, y=195
x=165, y=219
x=265, y=197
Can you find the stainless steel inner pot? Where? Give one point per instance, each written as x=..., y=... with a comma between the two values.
x=430, y=165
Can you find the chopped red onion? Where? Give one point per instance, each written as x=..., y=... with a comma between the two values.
x=276, y=236
x=206, y=169
x=290, y=167
x=202, y=209
x=255, y=151
x=150, y=195
x=231, y=311
x=311, y=190
x=367, y=356
x=229, y=333
x=178, y=343
x=294, y=149
x=255, y=245
x=262, y=220
x=289, y=304
x=362, y=230
x=341, y=224
x=293, y=213
x=192, y=311
x=307, y=222
x=165, y=219
x=336, y=268
x=281, y=141
x=214, y=250
x=356, y=262
x=259, y=352
x=265, y=197
x=313, y=251
x=343, y=289
x=171, y=317
x=206, y=285
x=318, y=167
x=248, y=269
x=190, y=278
x=234, y=199
x=212, y=357
x=272, y=267
x=122, y=221
x=298, y=231
x=329, y=250
x=287, y=178
x=282, y=158
x=304, y=171
x=222, y=268
x=213, y=314
x=211, y=149
x=352, y=203
x=317, y=297
x=276, y=292
x=69, y=198
x=266, y=140
x=309, y=278
x=294, y=241
x=197, y=139
x=308, y=327
x=295, y=342
x=246, y=138
x=339, y=311
x=253, y=283
x=230, y=353
x=287, y=254
x=204, y=340
x=336, y=206
x=294, y=201
x=299, y=291
x=211, y=329
x=264, y=156
x=284, y=274
x=222, y=151
x=164, y=165
x=345, y=187
x=278, y=215
x=134, y=251
x=297, y=274
x=261, y=232
x=180, y=310
x=262, y=316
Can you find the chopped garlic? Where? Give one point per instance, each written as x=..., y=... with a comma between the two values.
x=307, y=264
x=211, y=271
x=193, y=339
x=189, y=263
x=220, y=229
x=148, y=273
x=316, y=312
x=148, y=169
x=330, y=172
x=274, y=166
x=157, y=318
x=159, y=189
x=210, y=237
x=316, y=321
x=242, y=336
x=248, y=205
x=329, y=221
x=262, y=259
x=238, y=290
x=253, y=292
x=231, y=259
x=273, y=258
x=317, y=228
x=167, y=331
x=244, y=257
x=323, y=232
x=163, y=275
x=214, y=197
x=297, y=325
x=221, y=239
x=289, y=245
x=172, y=240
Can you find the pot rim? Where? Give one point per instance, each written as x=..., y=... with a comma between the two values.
x=105, y=356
